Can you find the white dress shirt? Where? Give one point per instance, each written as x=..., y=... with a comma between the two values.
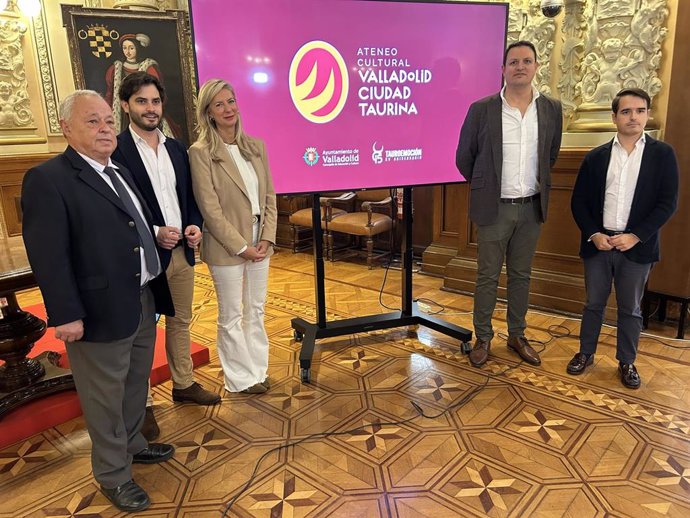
x=146, y=275
x=251, y=182
x=161, y=172
x=621, y=180
x=520, y=168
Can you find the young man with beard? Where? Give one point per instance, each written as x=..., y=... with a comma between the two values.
x=160, y=167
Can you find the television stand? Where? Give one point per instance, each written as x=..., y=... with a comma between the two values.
x=307, y=333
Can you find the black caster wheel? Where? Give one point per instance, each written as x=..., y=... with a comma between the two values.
x=466, y=347
x=298, y=335
x=305, y=375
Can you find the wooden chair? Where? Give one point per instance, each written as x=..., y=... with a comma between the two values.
x=332, y=207
x=373, y=216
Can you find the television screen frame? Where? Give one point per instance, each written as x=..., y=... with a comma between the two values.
x=391, y=160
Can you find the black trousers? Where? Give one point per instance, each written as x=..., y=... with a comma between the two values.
x=629, y=279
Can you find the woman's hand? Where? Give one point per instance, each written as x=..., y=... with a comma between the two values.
x=264, y=246
x=252, y=253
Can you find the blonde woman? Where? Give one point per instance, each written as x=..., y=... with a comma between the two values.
x=233, y=188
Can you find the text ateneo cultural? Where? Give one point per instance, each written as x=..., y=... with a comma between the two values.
x=388, y=82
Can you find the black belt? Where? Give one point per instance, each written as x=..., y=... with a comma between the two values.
x=520, y=201
x=613, y=232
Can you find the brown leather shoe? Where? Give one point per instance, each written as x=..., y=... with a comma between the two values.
x=520, y=345
x=480, y=352
x=150, y=429
x=195, y=393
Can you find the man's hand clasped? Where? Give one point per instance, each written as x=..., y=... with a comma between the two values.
x=168, y=237
x=621, y=242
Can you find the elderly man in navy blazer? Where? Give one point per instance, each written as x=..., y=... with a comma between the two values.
x=89, y=241
x=625, y=191
x=160, y=167
x=508, y=144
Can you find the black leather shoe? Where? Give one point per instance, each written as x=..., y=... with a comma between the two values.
x=129, y=497
x=156, y=452
x=629, y=376
x=579, y=363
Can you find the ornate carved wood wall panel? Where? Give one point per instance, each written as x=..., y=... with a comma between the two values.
x=446, y=223
x=12, y=171
x=557, y=275
x=672, y=274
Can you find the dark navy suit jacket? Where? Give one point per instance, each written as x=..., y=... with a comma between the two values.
x=654, y=201
x=83, y=248
x=128, y=154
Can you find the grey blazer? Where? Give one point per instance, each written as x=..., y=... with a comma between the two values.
x=479, y=156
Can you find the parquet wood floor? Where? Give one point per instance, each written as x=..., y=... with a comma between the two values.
x=533, y=442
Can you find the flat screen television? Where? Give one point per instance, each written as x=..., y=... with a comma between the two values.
x=353, y=94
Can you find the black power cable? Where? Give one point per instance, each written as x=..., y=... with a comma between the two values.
x=420, y=413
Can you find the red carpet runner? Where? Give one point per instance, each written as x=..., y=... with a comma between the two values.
x=50, y=411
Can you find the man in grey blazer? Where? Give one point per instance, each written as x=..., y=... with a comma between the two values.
x=508, y=144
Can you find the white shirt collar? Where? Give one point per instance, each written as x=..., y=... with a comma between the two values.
x=97, y=165
x=640, y=142
x=535, y=94
x=138, y=138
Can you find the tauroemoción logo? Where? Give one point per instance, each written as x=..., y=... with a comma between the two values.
x=318, y=81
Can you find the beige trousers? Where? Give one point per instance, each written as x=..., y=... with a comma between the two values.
x=177, y=338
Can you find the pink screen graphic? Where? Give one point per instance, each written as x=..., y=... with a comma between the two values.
x=351, y=94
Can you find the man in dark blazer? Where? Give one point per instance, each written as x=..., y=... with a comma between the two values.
x=85, y=229
x=160, y=167
x=625, y=191
x=508, y=144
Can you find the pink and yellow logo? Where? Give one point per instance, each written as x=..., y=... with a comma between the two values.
x=318, y=81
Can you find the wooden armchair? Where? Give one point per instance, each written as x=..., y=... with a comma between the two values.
x=373, y=216
x=332, y=207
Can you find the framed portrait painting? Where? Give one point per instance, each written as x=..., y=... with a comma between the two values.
x=106, y=45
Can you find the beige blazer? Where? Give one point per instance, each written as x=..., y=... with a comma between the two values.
x=222, y=198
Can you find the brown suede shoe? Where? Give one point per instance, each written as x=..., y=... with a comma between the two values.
x=520, y=345
x=195, y=393
x=267, y=383
x=257, y=388
x=150, y=429
x=480, y=352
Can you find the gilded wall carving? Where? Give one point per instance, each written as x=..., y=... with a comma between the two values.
x=47, y=77
x=578, y=15
x=15, y=109
x=622, y=48
x=540, y=30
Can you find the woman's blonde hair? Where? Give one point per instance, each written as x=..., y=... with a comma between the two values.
x=208, y=133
